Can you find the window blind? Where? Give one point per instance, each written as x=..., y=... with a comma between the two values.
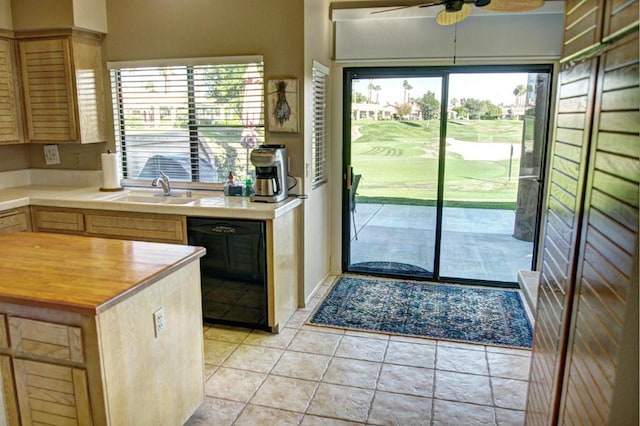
x=319, y=138
x=195, y=122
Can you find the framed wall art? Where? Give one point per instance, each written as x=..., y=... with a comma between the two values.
x=282, y=100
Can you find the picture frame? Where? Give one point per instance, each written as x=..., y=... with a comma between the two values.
x=282, y=102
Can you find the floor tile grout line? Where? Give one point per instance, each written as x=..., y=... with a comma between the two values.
x=266, y=377
x=241, y=369
x=326, y=367
x=375, y=389
x=433, y=385
x=493, y=399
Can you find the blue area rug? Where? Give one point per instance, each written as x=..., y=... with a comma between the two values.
x=486, y=316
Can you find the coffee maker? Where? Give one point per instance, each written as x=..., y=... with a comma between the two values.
x=270, y=162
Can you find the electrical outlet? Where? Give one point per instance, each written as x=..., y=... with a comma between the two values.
x=51, y=155
x=159, y=321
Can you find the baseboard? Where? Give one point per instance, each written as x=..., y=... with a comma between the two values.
x=529, y=282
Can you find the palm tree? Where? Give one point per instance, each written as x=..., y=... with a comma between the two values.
x=407, y=91
x=377, y=90
x=371, y=88
x=518, y=92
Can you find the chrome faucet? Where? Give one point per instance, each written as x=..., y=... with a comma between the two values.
x=164, y=182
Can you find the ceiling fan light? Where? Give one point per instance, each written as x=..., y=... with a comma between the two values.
x=451, y=18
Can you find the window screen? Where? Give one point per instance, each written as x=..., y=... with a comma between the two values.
x=195, y=122
x=320, y=129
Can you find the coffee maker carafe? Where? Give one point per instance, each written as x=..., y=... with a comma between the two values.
x=270, y=162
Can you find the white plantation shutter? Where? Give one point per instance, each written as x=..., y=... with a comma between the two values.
x=319, y=137
x=195, y=121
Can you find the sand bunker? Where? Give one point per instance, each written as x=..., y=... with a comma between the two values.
x=483, y=150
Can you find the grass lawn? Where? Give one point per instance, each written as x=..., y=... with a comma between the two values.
x=398, y=161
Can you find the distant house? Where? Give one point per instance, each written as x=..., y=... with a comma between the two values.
x=372, y=112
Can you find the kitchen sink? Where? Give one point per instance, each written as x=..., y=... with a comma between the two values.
x=154, y=198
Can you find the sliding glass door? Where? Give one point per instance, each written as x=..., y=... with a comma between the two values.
x=395, y=141
x=443, y=170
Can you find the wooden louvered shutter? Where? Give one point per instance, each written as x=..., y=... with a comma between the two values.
x=567, y=177
x=9, y=118
x=585, y=356
x=582, y=26
x=48, y=89
x=604, y=328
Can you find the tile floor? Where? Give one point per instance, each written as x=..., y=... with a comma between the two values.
x=309, y=375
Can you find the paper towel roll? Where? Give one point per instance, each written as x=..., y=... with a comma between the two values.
x=110, y=171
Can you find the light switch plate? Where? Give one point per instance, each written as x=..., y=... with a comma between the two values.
x=51, y=155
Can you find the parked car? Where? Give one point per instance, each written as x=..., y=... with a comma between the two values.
x=177, y=167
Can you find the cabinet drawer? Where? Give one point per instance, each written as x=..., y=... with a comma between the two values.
x=46, y=339
x=51, y=394
x=58, y=220
x=164, y=228
x=14, y=221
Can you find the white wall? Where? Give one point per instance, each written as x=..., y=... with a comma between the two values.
x=483, y=35
x=317, y=207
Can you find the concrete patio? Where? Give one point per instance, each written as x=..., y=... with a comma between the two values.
x=476, y=243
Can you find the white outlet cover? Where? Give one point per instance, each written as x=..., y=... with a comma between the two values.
x=159, y=321
x=51, y=155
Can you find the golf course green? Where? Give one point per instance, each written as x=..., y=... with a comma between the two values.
x=398, y=161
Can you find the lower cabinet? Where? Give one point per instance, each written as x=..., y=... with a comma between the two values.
x=51, y=394
x=15, y=220
x=165, y=228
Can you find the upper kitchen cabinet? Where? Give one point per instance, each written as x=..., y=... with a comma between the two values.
x=62, y=86
x=10, y=125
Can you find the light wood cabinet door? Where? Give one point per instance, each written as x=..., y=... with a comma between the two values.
x=57, y=220
x=48, y=90
x=15, y=220
x=137, y=226
x=62, y=82
x=46, y=339
x=51, y=394
x=9, y=110
x=8, y=403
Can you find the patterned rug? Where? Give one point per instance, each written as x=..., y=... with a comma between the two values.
x=487, y=316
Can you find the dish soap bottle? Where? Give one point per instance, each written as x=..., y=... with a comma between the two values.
x=248, y=187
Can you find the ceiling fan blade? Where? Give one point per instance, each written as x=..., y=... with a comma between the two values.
x=429, y=4
x=433, y=3
x=451, y=18
x=390, y=10
x=513, y=5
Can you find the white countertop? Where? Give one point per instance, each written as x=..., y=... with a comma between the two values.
x=203, y=204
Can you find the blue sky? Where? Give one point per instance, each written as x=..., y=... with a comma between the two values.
x=498, y=88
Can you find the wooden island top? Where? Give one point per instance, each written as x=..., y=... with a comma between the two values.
x=81, y=274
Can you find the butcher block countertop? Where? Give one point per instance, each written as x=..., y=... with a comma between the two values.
x=82, y=274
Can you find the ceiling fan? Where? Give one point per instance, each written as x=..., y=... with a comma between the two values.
x=458, y=10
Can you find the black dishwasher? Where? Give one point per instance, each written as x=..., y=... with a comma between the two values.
x=233, y=271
